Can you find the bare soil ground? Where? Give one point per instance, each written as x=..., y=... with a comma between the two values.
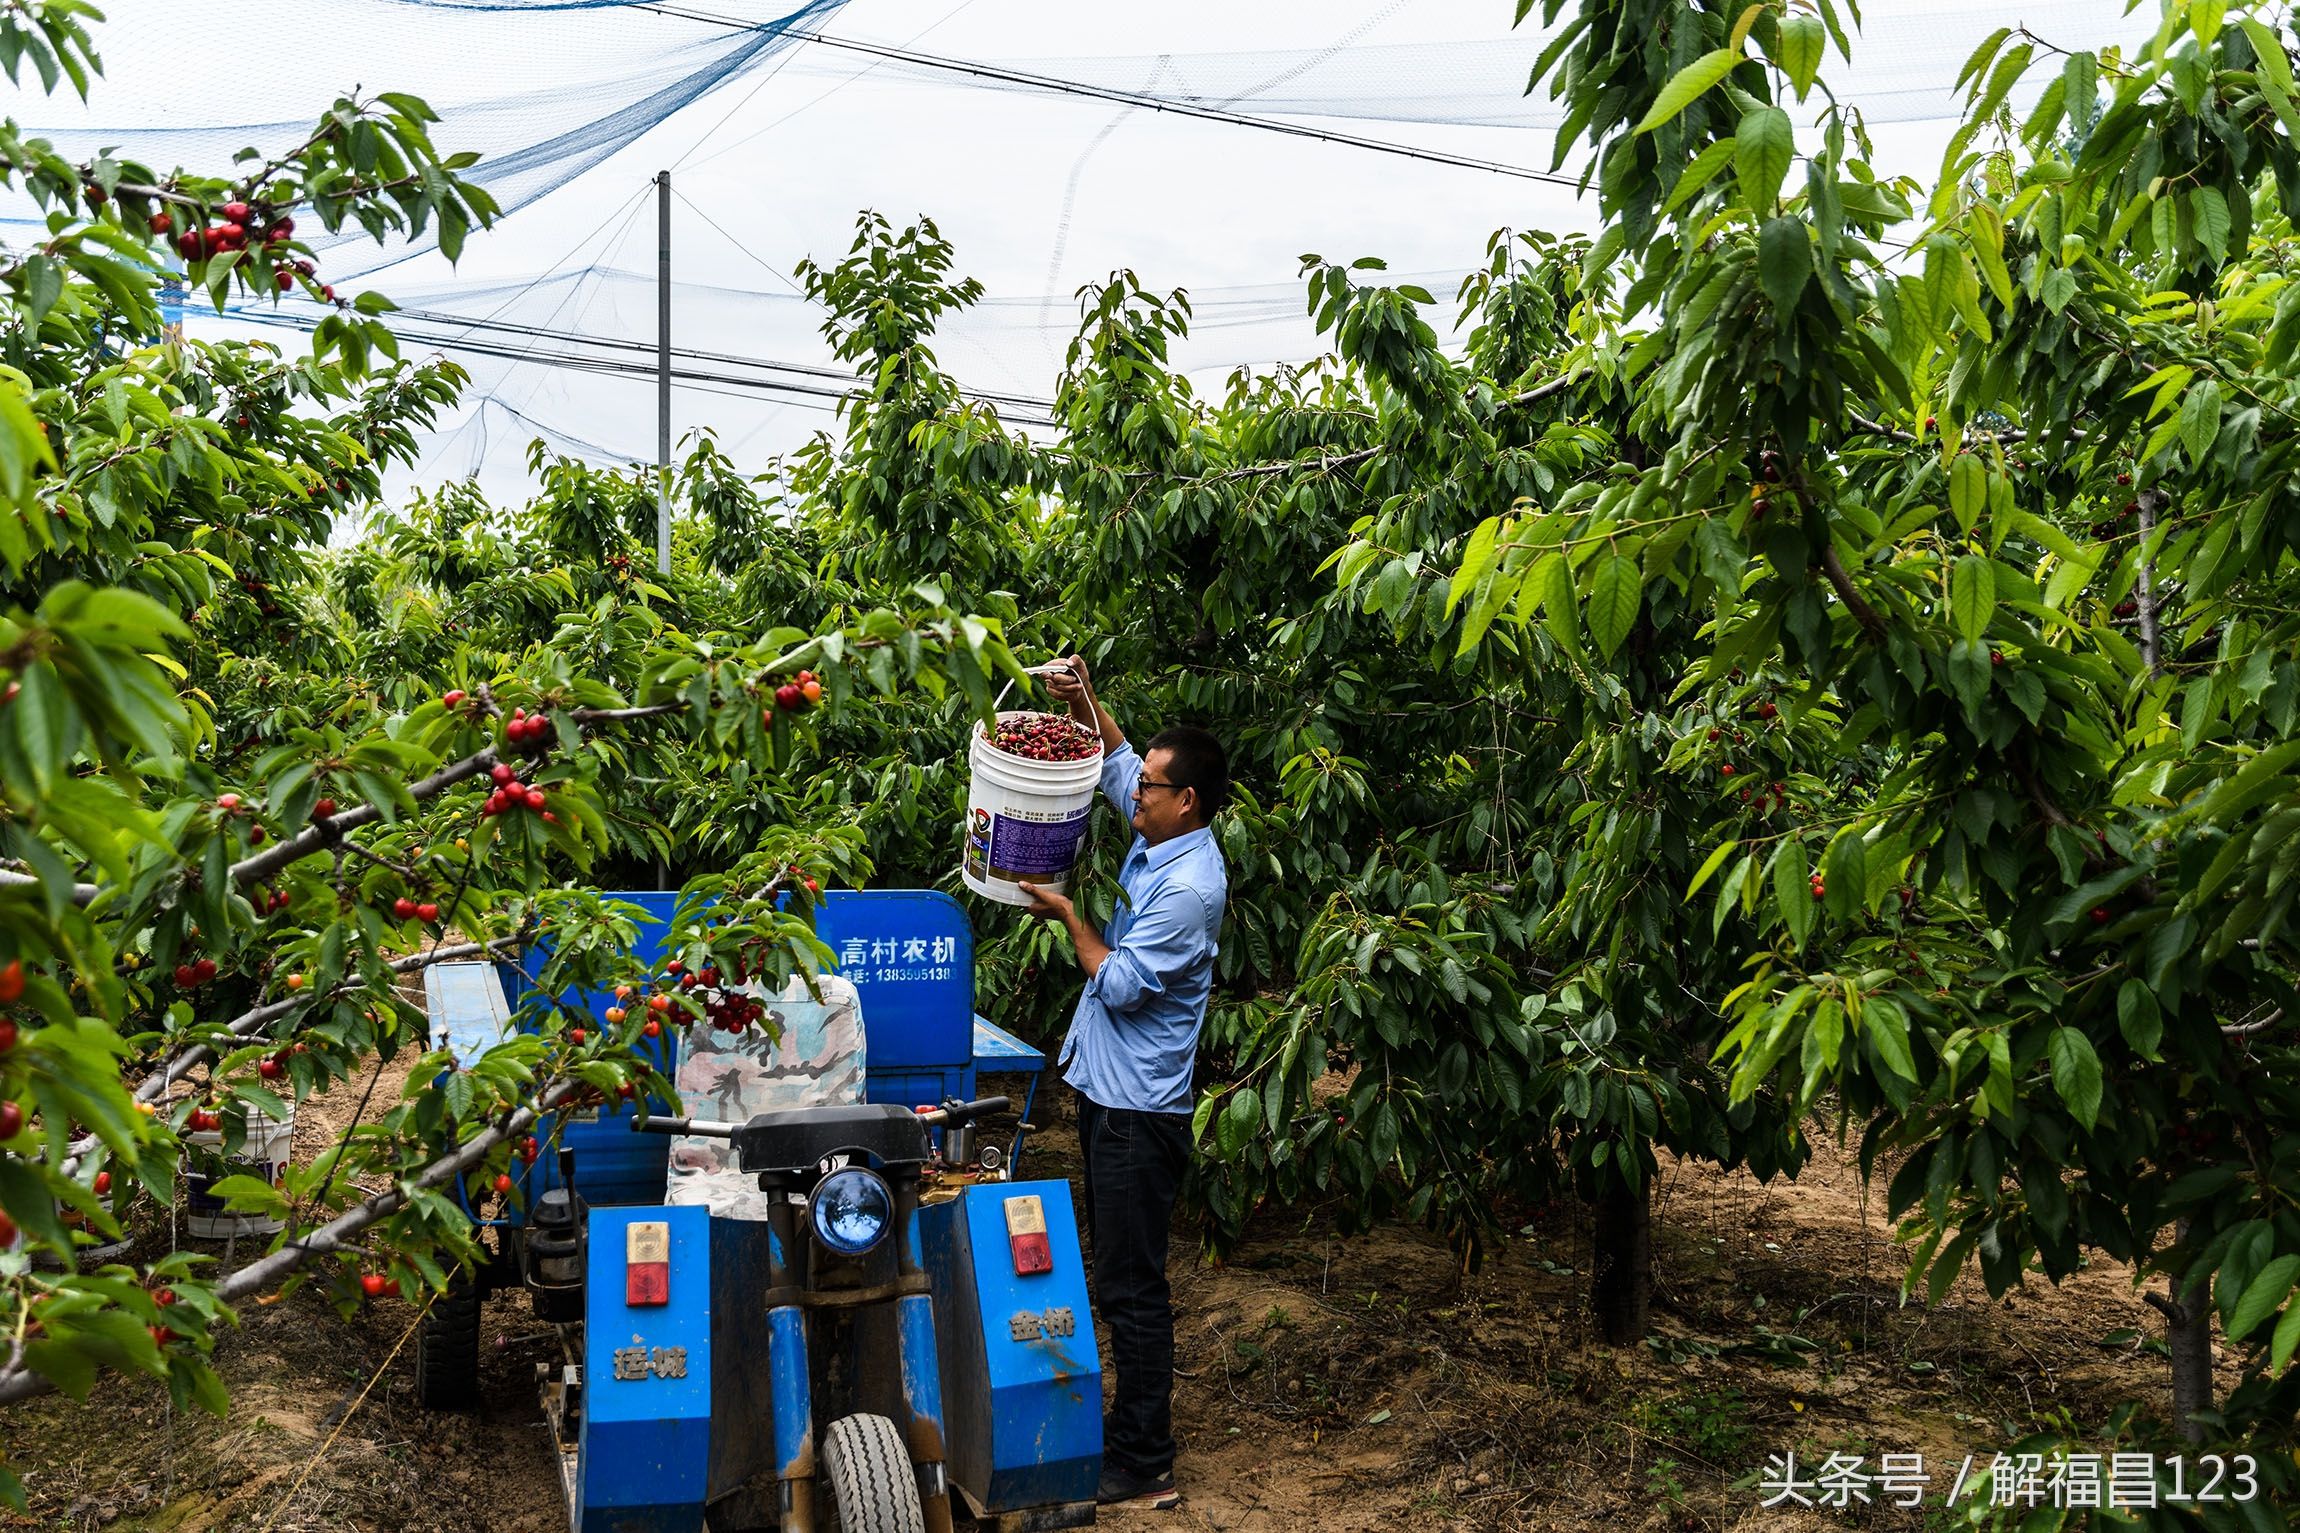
x=1328, y=1384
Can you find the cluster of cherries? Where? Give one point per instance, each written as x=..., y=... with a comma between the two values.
x=727, y=1008
x=231, y=805
x=190, y=976
x=526, y=728
x=800, y=691
x=510, y=793
x=1045, y=737
x=259, y=591
x=1769, y=470
x=411, y=910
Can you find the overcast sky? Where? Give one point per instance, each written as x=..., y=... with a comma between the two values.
x=1039, y=193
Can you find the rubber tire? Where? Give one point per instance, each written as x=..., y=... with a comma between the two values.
x=873, y=1487
x=447, y=1351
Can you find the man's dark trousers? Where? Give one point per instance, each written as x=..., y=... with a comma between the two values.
x=1134, y=1166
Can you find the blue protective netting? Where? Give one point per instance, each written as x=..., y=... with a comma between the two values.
x=584, y=87
x=548, y=90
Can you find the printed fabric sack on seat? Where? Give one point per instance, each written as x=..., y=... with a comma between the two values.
x=816, y=1061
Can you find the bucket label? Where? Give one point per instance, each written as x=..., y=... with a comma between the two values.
x=1025, y=845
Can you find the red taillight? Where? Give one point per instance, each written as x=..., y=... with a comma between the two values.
x=1026, y=1236
x=647, y=1263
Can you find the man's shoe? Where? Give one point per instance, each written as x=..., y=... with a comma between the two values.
x=1155, y=1492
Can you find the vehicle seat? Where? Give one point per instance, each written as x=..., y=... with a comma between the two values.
x=816, y=1061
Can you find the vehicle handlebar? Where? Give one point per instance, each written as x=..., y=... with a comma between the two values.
x=963, y=1112
x=706, y=1128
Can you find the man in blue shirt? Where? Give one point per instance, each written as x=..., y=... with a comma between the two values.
x=1128, y=1057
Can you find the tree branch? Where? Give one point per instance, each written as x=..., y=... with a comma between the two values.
x=1834, y=567
x=18, y=1383
x=249, y=1023
x=2150, y=502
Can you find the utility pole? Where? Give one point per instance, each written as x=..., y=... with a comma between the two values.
x=662, y=401
x=663, y=373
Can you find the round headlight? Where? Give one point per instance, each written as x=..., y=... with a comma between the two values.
x=852, y=1209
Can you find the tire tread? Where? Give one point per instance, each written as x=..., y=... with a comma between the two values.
x=447, y=1351
x=873, y=1486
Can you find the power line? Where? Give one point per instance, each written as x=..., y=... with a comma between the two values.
x=733, y=359
x=1061, y=87
x=612, y=366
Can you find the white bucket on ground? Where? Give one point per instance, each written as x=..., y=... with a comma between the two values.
x=265, y=1154
x=87, y=1256
x=1024, y=818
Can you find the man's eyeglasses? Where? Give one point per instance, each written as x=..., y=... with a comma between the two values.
x=1145, y=784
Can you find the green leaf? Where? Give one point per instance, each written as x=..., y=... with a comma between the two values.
x=1688, y=84
x=2076, y=1074
x=2200, y=419
x=1613, y=599
x=1715, y=860
x=2138, y=1018
x=1969, y=674
x=1762, y=150
x=2262, y=1296
x=1238, y=1120
x=1798, y=44
x=2209, y=209
x=1792, y=887
x=1784, y=260
x=1972, y=594
x=1553, y=580
x=1695, y=176
x=1476, y=559
x=1968, y=489
x=2286, y=1338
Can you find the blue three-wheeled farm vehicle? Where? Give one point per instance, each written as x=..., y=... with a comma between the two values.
x=809, y=1303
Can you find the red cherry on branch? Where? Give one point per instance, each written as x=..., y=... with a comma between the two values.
x=324, y=809
x=203, y=970
x=502, y=1182
x=452, y=698
x=11, y=1120
x=372, y=1284
x=103, y=1183
x=427, y=912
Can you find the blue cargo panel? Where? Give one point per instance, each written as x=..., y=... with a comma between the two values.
x=910, y=955
x=1021, y=1374
x=613, y=1165
x=646, y=1436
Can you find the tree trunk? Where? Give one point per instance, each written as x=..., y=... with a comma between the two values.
x=2188, y=1327
x=1621, y=1264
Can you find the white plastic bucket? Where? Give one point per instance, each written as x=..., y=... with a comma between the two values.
x=87, y=1256
x=1024, y=818
x=265, y=1154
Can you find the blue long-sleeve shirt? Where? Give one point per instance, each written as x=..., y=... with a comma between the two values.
x=1134, y=1036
